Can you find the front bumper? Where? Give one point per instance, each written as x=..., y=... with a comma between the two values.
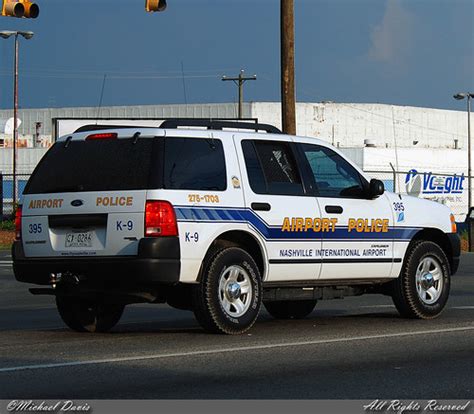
x=157, y=262
x=455, y=244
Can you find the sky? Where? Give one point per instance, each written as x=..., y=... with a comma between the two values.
x=404, y=52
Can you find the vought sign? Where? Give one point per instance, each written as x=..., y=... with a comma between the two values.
x=428, y=183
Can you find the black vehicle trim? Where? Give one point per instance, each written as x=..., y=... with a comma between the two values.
x=455, y=243
x=331, y=261
x=157, y=261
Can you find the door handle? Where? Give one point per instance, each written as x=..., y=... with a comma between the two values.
x=261, y=206
x=334, y=209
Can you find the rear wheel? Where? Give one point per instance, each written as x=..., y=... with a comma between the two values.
x=290, y=309
x=228, y=298
x=83, y=315
x=422, y=289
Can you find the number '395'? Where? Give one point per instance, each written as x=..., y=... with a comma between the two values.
x=35, y=228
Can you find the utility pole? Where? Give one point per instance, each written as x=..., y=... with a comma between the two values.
x=288, y=99
x=239, y=81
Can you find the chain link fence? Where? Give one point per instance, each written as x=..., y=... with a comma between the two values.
x=6, y=199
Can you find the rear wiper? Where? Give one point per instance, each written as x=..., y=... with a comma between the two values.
x=135, y=137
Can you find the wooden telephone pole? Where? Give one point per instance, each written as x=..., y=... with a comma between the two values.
x=288, y=98
x=239, y=81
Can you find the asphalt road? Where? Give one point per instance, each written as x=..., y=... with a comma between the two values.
x=356, y=348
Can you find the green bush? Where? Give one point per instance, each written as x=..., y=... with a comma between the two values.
x=7, y=225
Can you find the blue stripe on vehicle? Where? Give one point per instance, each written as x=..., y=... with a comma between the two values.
x=275, y=233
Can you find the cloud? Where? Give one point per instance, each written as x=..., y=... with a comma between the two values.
x=391, y=39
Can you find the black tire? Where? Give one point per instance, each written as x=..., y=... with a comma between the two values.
x=87, y=315
x=290, y=309
x=405, y=289
x=211, y=295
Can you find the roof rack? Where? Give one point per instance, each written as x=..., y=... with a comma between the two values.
x=218, y=125
x=175, y=123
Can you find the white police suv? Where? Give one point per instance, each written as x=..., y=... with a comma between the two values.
x=218, y=218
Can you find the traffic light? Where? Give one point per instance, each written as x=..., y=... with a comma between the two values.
x=155, y=5
x=32, y=10
x=20, y=8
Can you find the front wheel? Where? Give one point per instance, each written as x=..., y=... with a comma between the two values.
x=229, y=296
x=84, y=315
x=422, y=289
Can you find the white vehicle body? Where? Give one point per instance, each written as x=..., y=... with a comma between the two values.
x=299, y=239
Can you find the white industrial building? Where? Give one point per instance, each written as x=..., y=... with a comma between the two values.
x=378, y=137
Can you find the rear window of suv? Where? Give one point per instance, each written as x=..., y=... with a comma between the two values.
x=97, y=165
x=131, y=164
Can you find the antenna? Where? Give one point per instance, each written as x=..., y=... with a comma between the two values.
x=184, y=84
x=100, y=100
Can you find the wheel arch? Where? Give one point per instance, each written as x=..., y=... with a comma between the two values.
x=237, y=238
x=440, y=238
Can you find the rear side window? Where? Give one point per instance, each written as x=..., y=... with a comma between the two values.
x=97, y=165
x=194, y=164
x=271, y=168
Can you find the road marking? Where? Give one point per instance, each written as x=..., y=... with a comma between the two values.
x=231, y=350
x=462, y=307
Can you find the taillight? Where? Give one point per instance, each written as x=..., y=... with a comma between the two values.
x=18, y=223
x=105, y=135
x=160, y=219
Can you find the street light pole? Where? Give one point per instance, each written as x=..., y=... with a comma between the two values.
x=469, y=156
x=468, y=96
x=27, y=35
x=15, y=122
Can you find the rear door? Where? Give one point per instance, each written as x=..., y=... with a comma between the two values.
x=87, y=197
x=279, y=208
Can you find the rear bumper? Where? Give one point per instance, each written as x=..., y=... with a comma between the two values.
x=455, y=243
x=157, y=262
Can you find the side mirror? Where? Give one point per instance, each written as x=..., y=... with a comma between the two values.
x=376, y=188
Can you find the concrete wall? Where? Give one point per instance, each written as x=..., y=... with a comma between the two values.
x=343, y=124
x=30, y=116
x=348, y=124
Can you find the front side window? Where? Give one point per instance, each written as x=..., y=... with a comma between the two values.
x=194, y=164
x=333, y=175
x=271, y=168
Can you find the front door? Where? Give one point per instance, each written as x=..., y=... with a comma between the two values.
x=360, y=244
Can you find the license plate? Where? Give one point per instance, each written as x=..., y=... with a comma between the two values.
x=80, y=239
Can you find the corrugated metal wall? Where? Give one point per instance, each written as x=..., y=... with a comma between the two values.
x=30, y=116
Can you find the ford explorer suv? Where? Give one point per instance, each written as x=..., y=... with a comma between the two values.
x=220, y=218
